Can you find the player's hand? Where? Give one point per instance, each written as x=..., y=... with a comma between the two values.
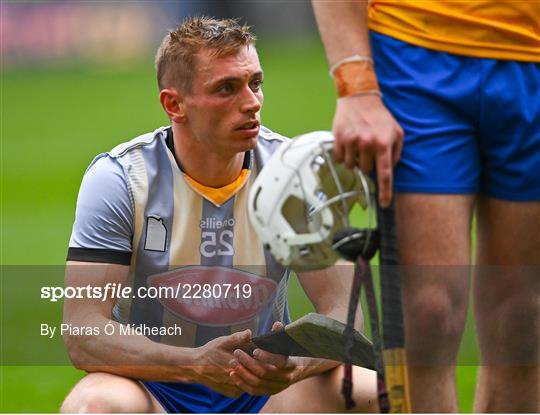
x=264, y=373
x=213, y=363
x=367, y=136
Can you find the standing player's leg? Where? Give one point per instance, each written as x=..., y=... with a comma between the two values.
x=105, y=393
x=507, y=305
x=433, y=234
x=508, y=297
x=434, y=98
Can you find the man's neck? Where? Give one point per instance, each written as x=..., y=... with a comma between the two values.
x=204, y=164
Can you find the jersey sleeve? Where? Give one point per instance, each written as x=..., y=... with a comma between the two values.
x=103, y=228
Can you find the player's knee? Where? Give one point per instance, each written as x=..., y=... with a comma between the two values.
x=433, y=315
x=85, y=403
x=103, y=393
x=85, y=400
x=435, y=325
x=515, y=321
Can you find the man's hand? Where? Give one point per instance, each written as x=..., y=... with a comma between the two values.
x=214, y=363
x=366, y=133
x=265, y=373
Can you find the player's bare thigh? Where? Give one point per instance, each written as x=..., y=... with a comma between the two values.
x=434, y=229
x=508, y=232
x=106, y=393
x=322, y=393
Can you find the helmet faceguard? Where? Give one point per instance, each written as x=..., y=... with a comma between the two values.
x=301, y=201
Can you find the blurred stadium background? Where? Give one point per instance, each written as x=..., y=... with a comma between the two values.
x=78, y=78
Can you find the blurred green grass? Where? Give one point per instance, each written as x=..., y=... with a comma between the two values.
x=54, y=121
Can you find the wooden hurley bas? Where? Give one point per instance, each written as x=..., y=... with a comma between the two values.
x=315, y=335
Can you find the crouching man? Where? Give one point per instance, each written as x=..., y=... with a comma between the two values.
x=170, y=208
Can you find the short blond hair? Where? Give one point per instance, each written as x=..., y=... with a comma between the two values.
x=176, y=57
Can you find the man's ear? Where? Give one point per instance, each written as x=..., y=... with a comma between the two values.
x=173, y=103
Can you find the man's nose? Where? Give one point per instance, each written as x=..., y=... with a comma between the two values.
x=251, y=101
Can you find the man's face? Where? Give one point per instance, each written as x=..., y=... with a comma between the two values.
x=223, y=108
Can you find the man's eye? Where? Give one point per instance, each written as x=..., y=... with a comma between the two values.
x=256, y=84
x=225, y=89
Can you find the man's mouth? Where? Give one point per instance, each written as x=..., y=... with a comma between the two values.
x=250, y=125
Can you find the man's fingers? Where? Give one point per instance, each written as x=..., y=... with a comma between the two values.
x=246, y=375
x=396, y=151
x=384, y=177
x=261, y=389
x=238, y=338
x=241, y=384
x=351, y=154
x=257, y=367
x=365, y=161
x=243, y=378
x=278, y=325
x=226, y=387
x=276, y=360
x=338, y=151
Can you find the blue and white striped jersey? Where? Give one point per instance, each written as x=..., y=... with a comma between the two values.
x=137, y=207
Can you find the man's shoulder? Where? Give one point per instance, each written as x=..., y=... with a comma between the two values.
x=141, y=141
x=116, y=161
x=268, y=143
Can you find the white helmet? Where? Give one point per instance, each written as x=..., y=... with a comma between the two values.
x=300, y=203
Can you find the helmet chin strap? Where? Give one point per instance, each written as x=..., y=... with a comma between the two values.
x=359, y=246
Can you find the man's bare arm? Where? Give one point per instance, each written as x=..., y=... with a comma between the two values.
x=366, y=134
x=133, y=355
x=329, y=290
x=343, y=28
